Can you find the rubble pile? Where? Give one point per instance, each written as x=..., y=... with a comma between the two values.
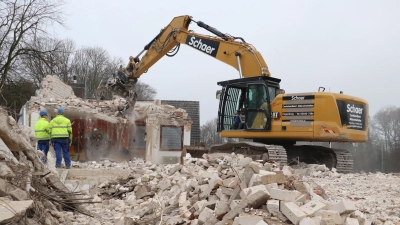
x=29, y=191
x=222, y=189
x=54, y=93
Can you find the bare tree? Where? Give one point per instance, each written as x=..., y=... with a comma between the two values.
x=90, y=65
x=21, y=22
x=56, y=60
x=209, y=135
x=145, y=91
x=387, y=122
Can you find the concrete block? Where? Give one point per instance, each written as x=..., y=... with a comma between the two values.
x=273, y=185
x=5, y=171
x=253, y=200
x=351, y=221
x=273, y=206
x=246, y=176
x=227, y=191
x=230, y=182
x=312, y=206
x=245, y=192
x=18, y=210
x=255, y=166
x=273, y=178
x=245, y=161
x=309, y=221
x=330, y=215
x=302, y=198
x=261, y=222
x=284, y=195
x=234, y=203
x=327, y=221
x=221, y=208
x=255, y=180
x=300, y=186
x=344, y=206
x=207, y=216
x=292, y=212
x=221, y=196
x=247, y=220
x=265, y=172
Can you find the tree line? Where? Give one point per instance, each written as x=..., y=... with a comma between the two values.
x=28, y=53
x=380, y=152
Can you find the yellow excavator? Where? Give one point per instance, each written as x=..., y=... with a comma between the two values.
x=254, y=107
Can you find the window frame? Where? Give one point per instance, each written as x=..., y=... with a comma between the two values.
x=161, y=137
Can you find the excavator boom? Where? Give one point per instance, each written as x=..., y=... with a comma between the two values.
x=233, y=51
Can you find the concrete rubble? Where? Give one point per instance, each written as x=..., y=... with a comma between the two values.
x=221, y=189
x=215, y=189
x=30, y=193
x=54, y=93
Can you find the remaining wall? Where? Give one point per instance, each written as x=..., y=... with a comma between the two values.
x=193, y=110
x=152, y=114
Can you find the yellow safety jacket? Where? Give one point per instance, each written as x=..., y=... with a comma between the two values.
x=60, y=127
x=42, y=131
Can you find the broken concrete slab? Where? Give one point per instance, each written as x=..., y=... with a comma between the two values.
x=12, y=211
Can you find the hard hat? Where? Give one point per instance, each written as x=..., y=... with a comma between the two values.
x=60, y=110
x=43, y=113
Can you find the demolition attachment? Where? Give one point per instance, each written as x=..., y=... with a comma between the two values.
x=120, y=84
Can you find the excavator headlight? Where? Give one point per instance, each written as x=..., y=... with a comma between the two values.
x=218, y=94
x=280, y=91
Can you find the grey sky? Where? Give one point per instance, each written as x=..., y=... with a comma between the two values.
x=349, y=46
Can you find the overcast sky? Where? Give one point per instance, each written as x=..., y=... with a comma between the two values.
x=349, y=46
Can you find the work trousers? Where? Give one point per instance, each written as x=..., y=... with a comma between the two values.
x=62, y=145
x=43, y=145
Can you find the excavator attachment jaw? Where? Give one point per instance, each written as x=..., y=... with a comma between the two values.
x=119, y=84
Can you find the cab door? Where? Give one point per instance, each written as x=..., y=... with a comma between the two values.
x=257, y=105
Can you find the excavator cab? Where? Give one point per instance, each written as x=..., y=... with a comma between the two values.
x=246, y=101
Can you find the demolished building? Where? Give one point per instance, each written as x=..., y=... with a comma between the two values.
x=154, y=131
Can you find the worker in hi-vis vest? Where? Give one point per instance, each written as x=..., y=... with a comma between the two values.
x=61, y=137
x=42, y=133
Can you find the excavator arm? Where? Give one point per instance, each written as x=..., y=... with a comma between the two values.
x=231, y=50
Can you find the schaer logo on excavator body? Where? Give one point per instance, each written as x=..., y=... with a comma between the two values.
x=204, y=45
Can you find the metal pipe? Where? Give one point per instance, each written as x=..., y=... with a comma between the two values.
x=238, y=60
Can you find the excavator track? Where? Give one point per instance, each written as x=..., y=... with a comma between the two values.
x=257, y=151
x=340, y=159
x=344, y=162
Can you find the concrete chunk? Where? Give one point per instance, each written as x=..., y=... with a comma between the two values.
x=230, y=182
x=330, y=215
x=344, y=206
x=253, y=200
x=293, y=212
x=248, y=220
x=18, y=210
x=309, y=221
x=245, y=192
x=312, y=206
x=234, y=203
x=273, y=178
x=255, y=180
x=207, y=216
x=351, y=221
x=273, y=206
x=221, y=208
x=255, y=166
x=284, y=195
